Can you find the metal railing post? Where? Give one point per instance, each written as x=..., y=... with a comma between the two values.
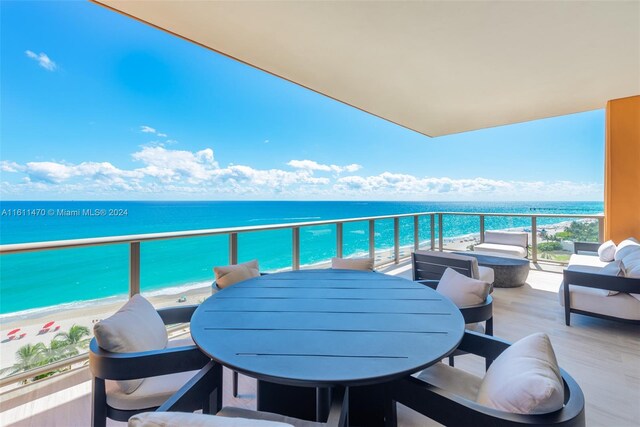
x=295, y=248
x=134, y=268
x=233, y=248
x=534, y=238
x=396, y=240
x=416, y=233
x=372, y=238
x=433, y=231
x=339, y=239
x=440, y=228
x=601, y=229
x=481, y=228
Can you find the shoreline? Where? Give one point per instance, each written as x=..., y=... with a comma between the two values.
x=87, y=312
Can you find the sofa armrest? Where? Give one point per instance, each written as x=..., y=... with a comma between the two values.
x=601, y=281
x=585, y=247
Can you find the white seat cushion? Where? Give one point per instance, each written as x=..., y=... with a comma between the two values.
x=622, y=305
x=462, y=290
x=500, y=249
x=149, y=395
x=363, y=264
x=231, y=274
x=486, y=274
x=456, y=381
x=607, y=251
x=586, y=260
x=136, y=327
x=152, y=392
x=475, y=327
x=182, y=419
x=524, y=379
x=233, y=412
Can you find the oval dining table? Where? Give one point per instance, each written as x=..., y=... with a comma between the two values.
x=301, y=332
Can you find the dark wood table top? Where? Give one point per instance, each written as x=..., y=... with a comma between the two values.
x=495, y=260
x=327, y=327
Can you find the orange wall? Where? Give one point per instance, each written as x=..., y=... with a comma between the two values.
x=622, y=169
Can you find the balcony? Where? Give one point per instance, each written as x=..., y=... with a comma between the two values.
x=603, y=356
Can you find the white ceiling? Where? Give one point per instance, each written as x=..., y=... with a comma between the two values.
x=437, y=67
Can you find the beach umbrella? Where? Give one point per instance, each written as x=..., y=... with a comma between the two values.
x=13, y=332
x=48, y=325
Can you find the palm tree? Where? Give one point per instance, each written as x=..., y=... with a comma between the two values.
x=28, y=357
x=73, y=340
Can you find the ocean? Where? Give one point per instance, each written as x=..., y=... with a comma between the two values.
x=35, y=280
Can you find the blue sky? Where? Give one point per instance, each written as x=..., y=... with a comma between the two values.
x=99, y=106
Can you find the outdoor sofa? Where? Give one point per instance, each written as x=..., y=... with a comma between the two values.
x=601, y=288
x=503, y=243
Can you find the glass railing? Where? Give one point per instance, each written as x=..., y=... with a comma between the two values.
x=31, y=349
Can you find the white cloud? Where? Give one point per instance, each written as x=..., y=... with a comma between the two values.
x=312, y=165
x=147, y=129
x=408, y=186
x=6, y=166
x=175, y=165
x=42, y=59
x=163, y=172
x=162, y=135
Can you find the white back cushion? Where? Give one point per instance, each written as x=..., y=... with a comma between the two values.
x=462, y=290
x=614, y=268
x=231, y=274
x=136, y=327
x=625, y=248
x=524, y=379
x=364, y=264
x=632, y=266
x=182, y=419
x=506, y=238
x=607, y=251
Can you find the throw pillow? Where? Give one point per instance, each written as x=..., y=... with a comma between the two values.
x=626, y=247
x=363, y=264
x=607, y=251
x=232, y=274
x=614, y=268
x=524, y=379
x=136, y=327
x=462, y=290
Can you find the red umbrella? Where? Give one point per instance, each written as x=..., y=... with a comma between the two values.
x=13, y=332
x=48, y=325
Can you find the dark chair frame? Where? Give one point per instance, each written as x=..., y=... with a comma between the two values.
x=432, y=267
x=594, y=280
x=585, y=247
x=472, y=314
x=105, y=365
x=450, y=409
x=598, y=281
x=207, y=383
x=235, y=373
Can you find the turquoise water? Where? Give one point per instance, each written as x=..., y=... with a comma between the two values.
x=40, y=279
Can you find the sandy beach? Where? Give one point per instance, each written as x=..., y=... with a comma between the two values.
x=88, y=313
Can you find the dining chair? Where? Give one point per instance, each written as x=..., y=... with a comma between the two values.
x=135, y=367
x=522, y=387
x=178, y=412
